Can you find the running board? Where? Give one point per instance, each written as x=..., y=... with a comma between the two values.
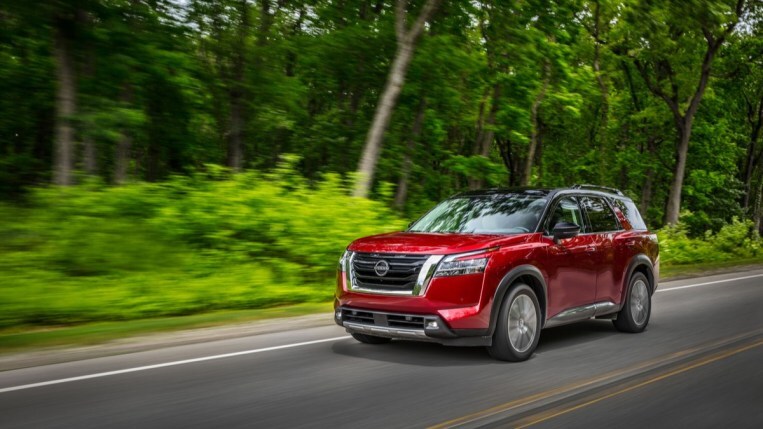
x=582, y=313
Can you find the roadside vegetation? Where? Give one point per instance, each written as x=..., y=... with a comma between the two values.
x=214, y=241
x=191, y=244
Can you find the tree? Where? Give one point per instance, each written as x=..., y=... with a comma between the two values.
x=659, y=37
x=406, y=44
x=527, y=54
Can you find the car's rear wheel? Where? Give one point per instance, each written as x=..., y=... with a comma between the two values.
x=370, y=339
x=634, y=316
x=518, y=327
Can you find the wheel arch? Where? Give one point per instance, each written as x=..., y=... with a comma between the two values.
x=641, y=264
x=529, y=275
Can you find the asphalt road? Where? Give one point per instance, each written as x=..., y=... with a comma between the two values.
x=699, y=364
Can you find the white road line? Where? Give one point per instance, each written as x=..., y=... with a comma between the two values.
x=709, y=283
x=166, y=364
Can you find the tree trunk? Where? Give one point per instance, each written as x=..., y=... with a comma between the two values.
x=235, y=157
x=122, y=158
x=603, y=123
x=505, y=151
x=66, y=107
x=758, y=212
x=480, y=121
x=755, y=119
x=673, y=209
x=539, y=154
x=402, y=184
x=124, y=146
x=646, y=190
x=291, y=54
x=486, y=133
x=533, y=132
x=266, y=21
x=89, y=155
x=381, y=120
x=235, y=137
x=406, y=42
x=747, y=175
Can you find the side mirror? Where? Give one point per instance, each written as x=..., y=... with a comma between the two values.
x=564, y=230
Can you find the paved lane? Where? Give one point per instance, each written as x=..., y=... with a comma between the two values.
x=341, y=383
x=726, y=392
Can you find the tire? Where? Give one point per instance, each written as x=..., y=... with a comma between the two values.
x=370, y=339
x=518, y=327
x=637, y=308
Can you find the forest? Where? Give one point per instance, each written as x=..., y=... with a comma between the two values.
x=152, y=150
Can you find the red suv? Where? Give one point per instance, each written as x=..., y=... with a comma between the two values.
x=492, y=268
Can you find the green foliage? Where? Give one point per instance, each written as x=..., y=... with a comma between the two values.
x=182, y=82
x=477, y=167
x=736, y=240
x=168, y=86
x=191, y=244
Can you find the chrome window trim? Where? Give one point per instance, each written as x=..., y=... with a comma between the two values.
x=571, y=193
x=611, y=211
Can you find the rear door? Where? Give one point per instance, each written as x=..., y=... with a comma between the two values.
x=605, y=228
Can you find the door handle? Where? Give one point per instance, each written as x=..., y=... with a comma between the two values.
x=590, y=249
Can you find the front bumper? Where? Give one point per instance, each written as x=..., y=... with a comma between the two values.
x=417, y=327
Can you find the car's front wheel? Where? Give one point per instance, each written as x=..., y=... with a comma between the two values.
x=634, y=316
x=518, y=328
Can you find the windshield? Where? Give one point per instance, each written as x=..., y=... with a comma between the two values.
x=485, y=214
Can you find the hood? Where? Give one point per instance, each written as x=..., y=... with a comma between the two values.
x=434, y=243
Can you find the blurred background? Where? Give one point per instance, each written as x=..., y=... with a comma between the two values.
x=174, y=157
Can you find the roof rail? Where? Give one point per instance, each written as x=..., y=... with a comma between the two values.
x=598, y=188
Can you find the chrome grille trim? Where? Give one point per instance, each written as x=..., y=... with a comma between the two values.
x=409, y=274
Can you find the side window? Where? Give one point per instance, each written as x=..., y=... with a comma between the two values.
x=565, y=210
x=631, y=212
x=600, y=216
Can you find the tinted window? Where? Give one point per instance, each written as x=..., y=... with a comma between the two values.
x=600, y=216
x=631, y=213
x=566, y=210
x=485, y=214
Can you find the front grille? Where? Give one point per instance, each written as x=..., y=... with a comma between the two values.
x=410, y=322
x=406, y=321
x=358, y=316
x=401, y=277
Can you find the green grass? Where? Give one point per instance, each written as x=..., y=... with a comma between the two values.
x=24, y=338
x=689, y=270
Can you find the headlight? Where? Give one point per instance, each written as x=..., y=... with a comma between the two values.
x=465, y=263
x=458, y=268
x=344, y=261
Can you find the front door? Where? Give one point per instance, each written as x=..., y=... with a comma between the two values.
x=571, y=268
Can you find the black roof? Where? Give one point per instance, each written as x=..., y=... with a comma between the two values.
x=545, y=192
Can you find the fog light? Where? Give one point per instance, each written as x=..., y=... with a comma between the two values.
x=338, y=315
x=432, y=324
